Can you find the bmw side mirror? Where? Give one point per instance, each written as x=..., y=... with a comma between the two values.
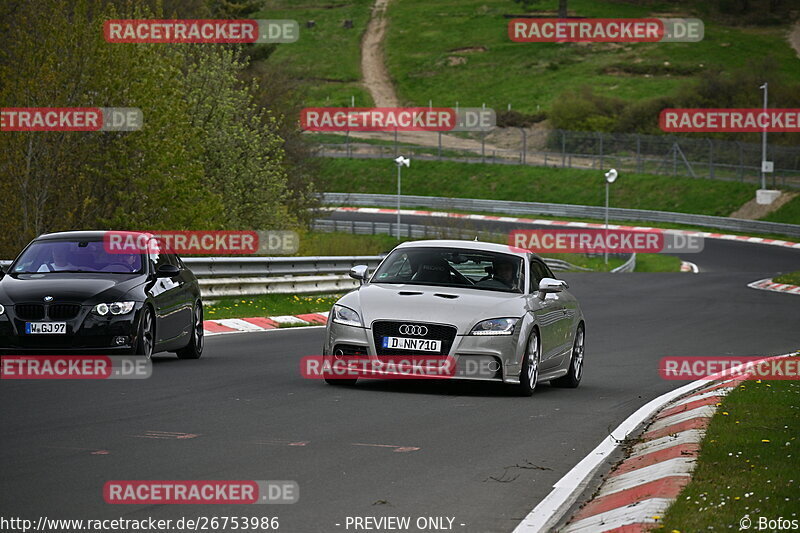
x=167, y=271
x=359, y=272
x=551, y=285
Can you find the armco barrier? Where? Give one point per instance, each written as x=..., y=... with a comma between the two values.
x=559, y=210
x=253, y=276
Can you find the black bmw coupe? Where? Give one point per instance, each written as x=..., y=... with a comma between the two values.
x=67, y=293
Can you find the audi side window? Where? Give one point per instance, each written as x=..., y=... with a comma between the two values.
x=538, y=271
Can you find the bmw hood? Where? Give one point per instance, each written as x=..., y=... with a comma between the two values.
x=462, y=308
x=78, y=288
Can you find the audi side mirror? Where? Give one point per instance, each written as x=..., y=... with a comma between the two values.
x=167, y=271
x=551, y=285
x=359, y=272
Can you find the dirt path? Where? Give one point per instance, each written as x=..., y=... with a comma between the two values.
x=794, y=37
x=373, y=68
x=377, y=81
x=753, y=211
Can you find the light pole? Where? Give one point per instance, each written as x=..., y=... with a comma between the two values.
x=400, y=161
x=611, y=177
x=764, y=141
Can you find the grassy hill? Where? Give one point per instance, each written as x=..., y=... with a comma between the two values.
x=458, y=50
x=535, y=184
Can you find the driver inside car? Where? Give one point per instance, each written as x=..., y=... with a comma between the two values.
x=60, y=261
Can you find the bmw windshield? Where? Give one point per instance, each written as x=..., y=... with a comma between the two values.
x=74, y=257
x=450, y=267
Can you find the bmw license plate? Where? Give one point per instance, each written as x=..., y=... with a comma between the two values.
x=418, y=345
x=46, y=328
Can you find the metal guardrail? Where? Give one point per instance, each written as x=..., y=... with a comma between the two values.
x=627, y=266
x=418, y=231
x=276, y=266
x=560, y=210
x=254, y=276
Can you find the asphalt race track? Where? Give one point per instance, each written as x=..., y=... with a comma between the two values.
x=469, y=451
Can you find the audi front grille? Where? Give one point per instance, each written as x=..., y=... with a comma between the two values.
x=385, y=328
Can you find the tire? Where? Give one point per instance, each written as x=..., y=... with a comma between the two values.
x=146, y=336
x=575, y=372
x=194, y=349
x=529, y=373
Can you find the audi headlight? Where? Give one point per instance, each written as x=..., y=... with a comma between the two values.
x=345, y=315
x=115, y=308
x=495, y=326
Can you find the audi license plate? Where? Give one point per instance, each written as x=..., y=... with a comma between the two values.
x=48, y=328
x=417, y=345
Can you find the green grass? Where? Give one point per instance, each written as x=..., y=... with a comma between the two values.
x=429, y=57
x=423, y=57
x=328, y=55
x=748, y=464
x=535, y=184
x=792, y=278
x=788, y=213
x=269, y=305
x=657, y=263
x=338, y=243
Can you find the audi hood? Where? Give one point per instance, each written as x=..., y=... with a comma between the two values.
x=460, y=307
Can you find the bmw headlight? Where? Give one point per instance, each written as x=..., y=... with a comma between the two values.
x=495, y=326
x=345, y=315
x=2, y=309
x=115, y=308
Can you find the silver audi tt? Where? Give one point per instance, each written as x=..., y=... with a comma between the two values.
x=498, y=312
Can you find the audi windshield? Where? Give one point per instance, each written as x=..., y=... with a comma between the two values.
x=448, y=267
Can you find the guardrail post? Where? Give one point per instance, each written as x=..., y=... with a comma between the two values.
x=638, y=153
x=710, y=158
x=741, y=161
x=600, y=134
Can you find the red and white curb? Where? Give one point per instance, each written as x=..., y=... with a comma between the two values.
x=246, y=325
x=649, y=479
x=569, y=224
x=769, y=285
x=640, y=489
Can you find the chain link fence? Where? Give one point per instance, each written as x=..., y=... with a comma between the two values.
x=650, y=154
